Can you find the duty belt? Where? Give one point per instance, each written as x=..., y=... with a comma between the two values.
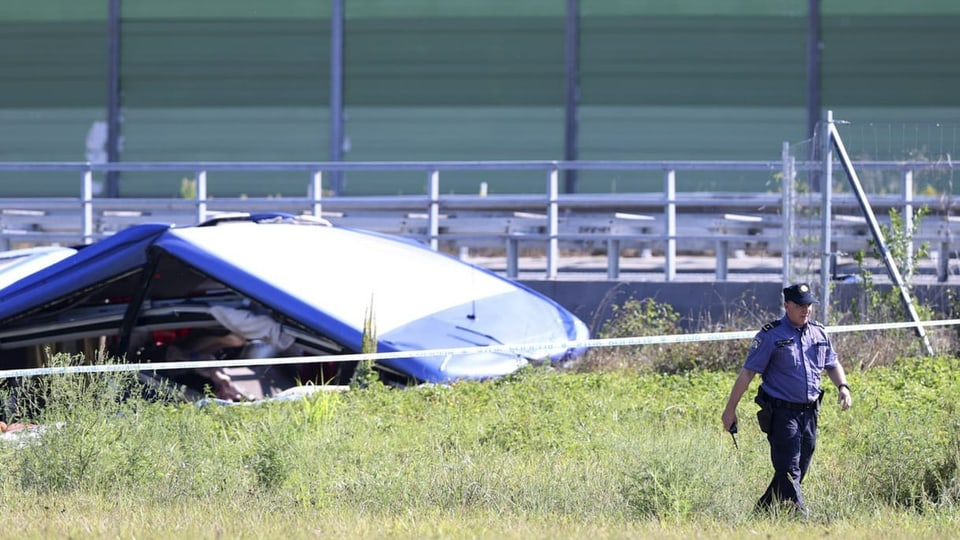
x=791, y=405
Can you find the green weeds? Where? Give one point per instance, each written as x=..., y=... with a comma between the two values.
x=621, y=449
x=650, y=318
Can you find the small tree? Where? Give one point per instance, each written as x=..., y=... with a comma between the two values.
x=899, y=243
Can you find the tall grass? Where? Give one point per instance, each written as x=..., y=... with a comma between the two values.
x=540, y=453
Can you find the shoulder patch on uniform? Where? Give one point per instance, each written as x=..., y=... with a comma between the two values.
x=770, y=325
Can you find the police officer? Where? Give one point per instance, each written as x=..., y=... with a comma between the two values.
x=789, y=354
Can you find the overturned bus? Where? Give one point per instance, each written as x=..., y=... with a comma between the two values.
x=272, y=285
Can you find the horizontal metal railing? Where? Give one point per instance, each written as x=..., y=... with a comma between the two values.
x=669, y=220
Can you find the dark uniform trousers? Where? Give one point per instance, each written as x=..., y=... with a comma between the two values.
x=793, y=438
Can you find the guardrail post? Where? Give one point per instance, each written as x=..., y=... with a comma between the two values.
x=201, y=196
x=723, y=248
x=513, y=253
x=943, y=262
x=613, y=258
x=86, y=202
x=552, y=222
x=433, y=212
x=908, y=222
x=670, y=215
x=316, y=193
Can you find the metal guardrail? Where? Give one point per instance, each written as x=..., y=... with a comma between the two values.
x=668, y=221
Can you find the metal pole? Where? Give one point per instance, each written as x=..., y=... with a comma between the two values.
x=826, y=237
x=670, y=216
x=571, y=95
x=201, y=196
x=723, y=260
x=113, y=96
x=787, y=213
x=943, y=262
x=513, y=254
x=908, y=220
x=553, y=221
x=613, y=258
x=891, y=265
x=316, y=192
x=86, y=204
x=433, y=212
x=814, y=50
x=336, y=92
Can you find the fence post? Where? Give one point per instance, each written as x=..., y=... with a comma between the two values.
x=787, y=190
x=433, y=212
x=86, y=203
x=201, y=196
x=908, y=222
x=826, y=240
x=552, y=222
x=316, y=193
x=670, y=215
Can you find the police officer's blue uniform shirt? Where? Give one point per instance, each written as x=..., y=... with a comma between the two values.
x=791, y=359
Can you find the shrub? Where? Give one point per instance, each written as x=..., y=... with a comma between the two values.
x=636, y=318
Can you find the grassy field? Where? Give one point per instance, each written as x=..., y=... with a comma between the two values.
x=622, y=453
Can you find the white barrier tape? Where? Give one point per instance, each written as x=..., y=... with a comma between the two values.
x=889, y=326
x=531, y=348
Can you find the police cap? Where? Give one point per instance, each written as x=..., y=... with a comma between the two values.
x=799, y=294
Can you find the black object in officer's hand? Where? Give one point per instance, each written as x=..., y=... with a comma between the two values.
x=733, y=435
